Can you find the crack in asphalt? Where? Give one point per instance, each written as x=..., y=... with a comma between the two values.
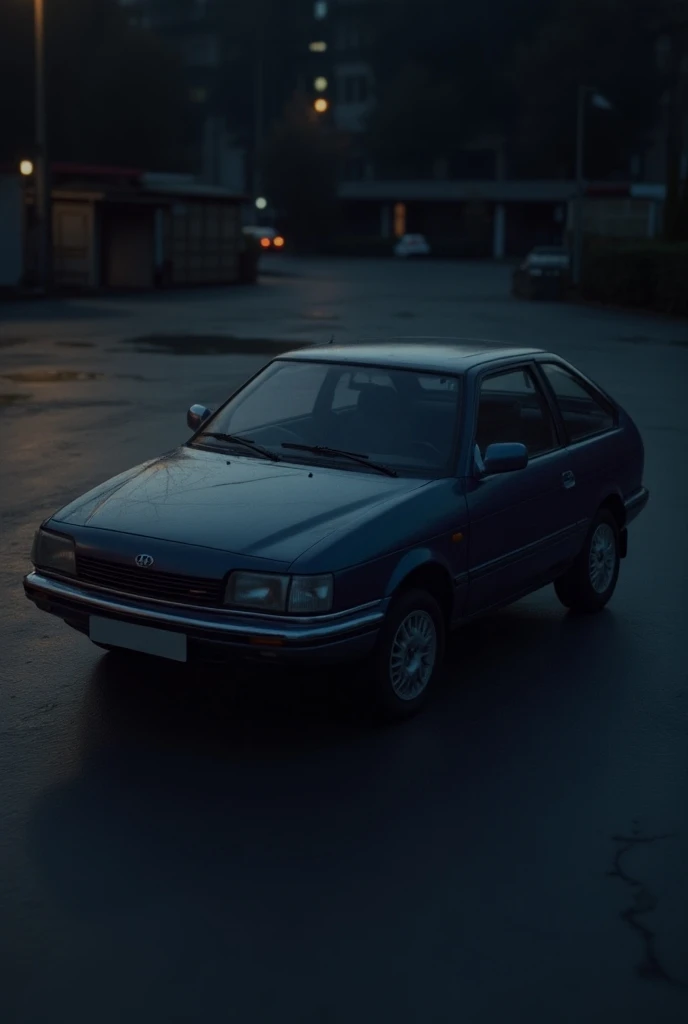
x=644, y=902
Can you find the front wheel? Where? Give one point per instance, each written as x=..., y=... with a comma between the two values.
x=590, y=582
x=408, y=656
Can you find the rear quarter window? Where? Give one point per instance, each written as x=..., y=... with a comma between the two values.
x=584, y=410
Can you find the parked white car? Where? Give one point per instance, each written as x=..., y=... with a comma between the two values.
x=412, y=245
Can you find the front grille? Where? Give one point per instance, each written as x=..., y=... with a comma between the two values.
x=163, y=586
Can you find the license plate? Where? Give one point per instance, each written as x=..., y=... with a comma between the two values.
x=144, y=639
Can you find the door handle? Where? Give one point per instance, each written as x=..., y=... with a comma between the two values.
x=568, y=479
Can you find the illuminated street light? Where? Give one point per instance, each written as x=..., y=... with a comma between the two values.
x=318, y=46
x=26, y=168
x=320, y=84
x=261, y=203
x=321, y=105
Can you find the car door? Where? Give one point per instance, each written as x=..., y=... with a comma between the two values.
x=592, y=435
x=522, y=523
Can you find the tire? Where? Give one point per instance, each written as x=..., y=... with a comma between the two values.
x=414, y=617
x=590, y=582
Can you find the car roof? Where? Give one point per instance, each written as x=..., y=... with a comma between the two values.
x=441, y=355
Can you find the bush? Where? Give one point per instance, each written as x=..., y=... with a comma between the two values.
x=646, y=275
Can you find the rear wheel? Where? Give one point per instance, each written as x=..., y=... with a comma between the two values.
x=590, y=582
x=409, y=654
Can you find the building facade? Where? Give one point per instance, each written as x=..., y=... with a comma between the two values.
x=241, y=62
x=468, y=205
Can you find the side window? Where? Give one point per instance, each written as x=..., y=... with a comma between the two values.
x=511, y=407
x=584, y=414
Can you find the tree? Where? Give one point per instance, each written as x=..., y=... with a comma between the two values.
x=299, y=173
x=672, y=36
x=115, y=94
x=499, y=69
x=450, y=86
x=605, y=44
x=264, y=48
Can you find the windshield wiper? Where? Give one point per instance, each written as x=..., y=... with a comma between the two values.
x=323, y=449
x=236, y=439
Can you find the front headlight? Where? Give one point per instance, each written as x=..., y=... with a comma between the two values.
x=54, y=551
x=259, y=591
x=309, y=595
x=267, y=592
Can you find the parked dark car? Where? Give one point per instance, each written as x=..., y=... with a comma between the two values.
x=355, y=503
x=544, y=274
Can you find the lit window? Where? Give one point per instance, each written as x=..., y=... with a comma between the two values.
x=399, y=219
x=320, y=9
x=320, y=46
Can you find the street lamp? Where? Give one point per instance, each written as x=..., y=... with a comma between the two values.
x=585, y=92
x=261, y=203
x=42, y=178
x=26, y=168
x=321, y=105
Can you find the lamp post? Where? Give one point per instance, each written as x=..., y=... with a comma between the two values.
x=258, y=96
x=41, y=177
x=584, y=92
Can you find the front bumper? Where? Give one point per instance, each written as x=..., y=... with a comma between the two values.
x=635, y=503
x=218, y=634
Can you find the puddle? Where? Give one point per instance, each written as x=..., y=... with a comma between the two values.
x=13, y=399
x=208, y=345
x=75, y=344
x=12, y=342
x=319, y=314
x=50, y=376
x=324, y=332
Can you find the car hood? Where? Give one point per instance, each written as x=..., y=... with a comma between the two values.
x=235, y=504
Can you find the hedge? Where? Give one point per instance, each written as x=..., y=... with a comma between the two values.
x=645, y=275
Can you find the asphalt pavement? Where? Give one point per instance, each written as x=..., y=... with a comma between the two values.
x=192, y=845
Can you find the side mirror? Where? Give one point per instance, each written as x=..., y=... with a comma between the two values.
x=196, y=416
x=505, y=458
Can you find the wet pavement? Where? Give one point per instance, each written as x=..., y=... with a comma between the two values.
x=199, y=846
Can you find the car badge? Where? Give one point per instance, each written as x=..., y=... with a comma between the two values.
x=144, y=561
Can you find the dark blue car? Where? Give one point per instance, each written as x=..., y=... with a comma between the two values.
x=355, y=503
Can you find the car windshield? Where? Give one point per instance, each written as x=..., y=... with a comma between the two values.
x=405, y=420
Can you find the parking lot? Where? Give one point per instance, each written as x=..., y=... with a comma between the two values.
x=190, y=845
